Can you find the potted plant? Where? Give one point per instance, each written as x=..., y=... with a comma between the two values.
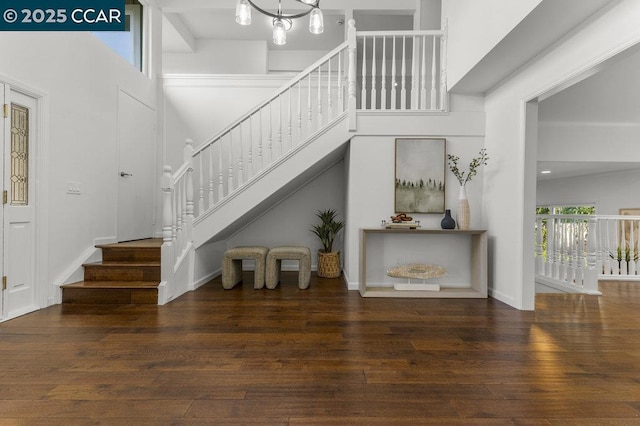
x=327, y=230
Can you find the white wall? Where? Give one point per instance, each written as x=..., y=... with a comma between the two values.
x=290, y=222
x=508, y=187
x=79, y=78
x=201, y=106
x=476, y=27
x=609, y=191
x=371, y=175
x=219, y=57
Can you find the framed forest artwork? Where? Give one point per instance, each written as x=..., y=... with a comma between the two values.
x=419, y=177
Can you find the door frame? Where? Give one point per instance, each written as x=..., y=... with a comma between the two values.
x=46, y=293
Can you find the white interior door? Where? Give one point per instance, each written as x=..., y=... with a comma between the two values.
x=19, y=204
x=136, y=144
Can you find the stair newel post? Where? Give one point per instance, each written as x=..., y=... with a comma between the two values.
x=351, y=86
x=444, y=105
x=591, y=274
x=189, y=192
x=167, y=250
x=167, y=209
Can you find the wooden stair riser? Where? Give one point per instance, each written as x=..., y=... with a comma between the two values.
x=133, y=255
x=109, y=296
x=121, y=272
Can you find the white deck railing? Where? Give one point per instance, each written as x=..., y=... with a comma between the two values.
x=618, y=247
x=407, y=73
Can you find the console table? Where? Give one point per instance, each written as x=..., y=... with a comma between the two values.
x=477, y=249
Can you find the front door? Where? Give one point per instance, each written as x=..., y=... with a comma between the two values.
x=136, y=145
x=18, y=212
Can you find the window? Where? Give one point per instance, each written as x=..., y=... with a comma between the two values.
x=127, y=43
x=588, y=209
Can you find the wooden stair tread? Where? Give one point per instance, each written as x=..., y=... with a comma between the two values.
x=118, y=264
x=112, y=284
x=152, y=243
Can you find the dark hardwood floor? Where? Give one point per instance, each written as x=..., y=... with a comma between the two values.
x=325, y=356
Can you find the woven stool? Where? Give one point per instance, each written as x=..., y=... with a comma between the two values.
x=232, y=265
x=274, y=263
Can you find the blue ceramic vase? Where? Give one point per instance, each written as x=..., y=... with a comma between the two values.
x=447, y=221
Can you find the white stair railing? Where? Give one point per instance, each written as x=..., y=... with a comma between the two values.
x=566, y=252
x=402, y=70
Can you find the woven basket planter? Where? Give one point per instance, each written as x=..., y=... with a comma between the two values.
x=329, y=264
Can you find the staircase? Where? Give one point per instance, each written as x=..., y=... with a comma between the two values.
x=230, y=179
x=129, y=273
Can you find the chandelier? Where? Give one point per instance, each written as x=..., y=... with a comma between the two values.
x=282, y=22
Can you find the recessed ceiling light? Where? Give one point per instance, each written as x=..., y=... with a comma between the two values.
x=545, y=172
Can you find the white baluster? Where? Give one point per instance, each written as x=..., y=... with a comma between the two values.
x=220, y=172
x=415, y=89
x=270, y=137
x=633, y=251
x=571, y=252
x=394, y=83
x=290, y=123
x=201, y=183
x=403, y=87
x=309, y=110
x=240, y=155
x=230, y=176
x=319, y=97
x=279, y=153
x=622, y=244
x=329, y=100
x=434, y=89
x=260, y=150
x=364, y=74
x=374, y=90
x=250, y=170
x=340, y=88
x=383, y=95
x=608, y=265
x=178, y=204
x=423, y=75
x=211, y=184
x=299, y=112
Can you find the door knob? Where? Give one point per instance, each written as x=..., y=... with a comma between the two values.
x=125, y=174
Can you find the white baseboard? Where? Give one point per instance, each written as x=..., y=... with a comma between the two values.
x=202, y=281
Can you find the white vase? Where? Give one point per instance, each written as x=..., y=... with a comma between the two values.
x=463, y=216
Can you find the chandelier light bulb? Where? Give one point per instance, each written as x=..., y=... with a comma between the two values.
x=309, y=2
x=243, y=12
x=279, y=33
x=316, y=21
